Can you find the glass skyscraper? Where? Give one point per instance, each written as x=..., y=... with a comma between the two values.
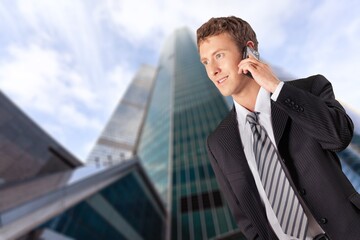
x=120, y=137
x=184, y=108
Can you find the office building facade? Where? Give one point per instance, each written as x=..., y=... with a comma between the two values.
x=184, y=108
x=120, y=137
x=129, y=208
x=90, y=202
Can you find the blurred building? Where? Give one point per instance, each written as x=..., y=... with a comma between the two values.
x=103, y=200
x=184, y=108
x=26, y=150
x=89, y=203
x=120, y=137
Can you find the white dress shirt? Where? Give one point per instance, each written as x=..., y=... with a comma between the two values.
x=263, y=106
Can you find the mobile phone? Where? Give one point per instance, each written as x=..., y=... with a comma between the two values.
x=250, y=51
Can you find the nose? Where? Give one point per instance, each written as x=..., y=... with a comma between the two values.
x=214, y=69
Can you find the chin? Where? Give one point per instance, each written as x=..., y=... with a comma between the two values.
x=225, y=94
x=224, y=91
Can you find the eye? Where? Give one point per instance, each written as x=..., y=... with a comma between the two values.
x=205, y=62
x=219, y=55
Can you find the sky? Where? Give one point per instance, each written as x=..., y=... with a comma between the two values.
x=67, y=63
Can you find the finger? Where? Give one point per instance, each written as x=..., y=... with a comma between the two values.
x=245, y=62
x=246, y=67
x=242, y=67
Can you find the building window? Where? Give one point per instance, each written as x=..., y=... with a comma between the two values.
x=202, y=201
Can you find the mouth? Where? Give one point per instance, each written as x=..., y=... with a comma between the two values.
x=221, y=80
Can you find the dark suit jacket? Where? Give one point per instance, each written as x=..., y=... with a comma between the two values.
x=309, y=127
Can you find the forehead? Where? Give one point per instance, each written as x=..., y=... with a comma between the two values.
x=214, y=43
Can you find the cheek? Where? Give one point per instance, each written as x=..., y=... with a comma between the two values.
x=208, y=73
x=235, y=65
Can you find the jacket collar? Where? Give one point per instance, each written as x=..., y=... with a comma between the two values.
x=279, y=119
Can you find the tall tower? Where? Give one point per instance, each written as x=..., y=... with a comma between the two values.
x=120, y=137
x=185, y=107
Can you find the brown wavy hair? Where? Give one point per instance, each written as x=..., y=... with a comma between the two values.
x=238, y=29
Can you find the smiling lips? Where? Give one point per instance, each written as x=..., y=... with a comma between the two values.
x=221, y=80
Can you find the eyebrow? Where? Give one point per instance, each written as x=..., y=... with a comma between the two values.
x=214, y=53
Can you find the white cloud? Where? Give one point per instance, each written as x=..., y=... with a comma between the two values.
x=331, y=47
x=149, y=24
x=28, y=73
x=73, y=117
x=40, y=78
x=266, y=17
x=52, y=66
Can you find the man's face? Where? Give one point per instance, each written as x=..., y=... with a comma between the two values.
x=221, y=56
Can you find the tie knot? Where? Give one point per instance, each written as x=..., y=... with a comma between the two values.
x=252, y=118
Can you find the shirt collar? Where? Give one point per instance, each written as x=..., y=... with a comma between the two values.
x=262, y=105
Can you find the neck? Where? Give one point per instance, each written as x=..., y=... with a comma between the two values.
x=248, y=98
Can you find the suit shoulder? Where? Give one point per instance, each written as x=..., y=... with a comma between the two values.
x=308, y=82
x=221, y=129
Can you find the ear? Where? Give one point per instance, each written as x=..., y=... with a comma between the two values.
x=250, y=44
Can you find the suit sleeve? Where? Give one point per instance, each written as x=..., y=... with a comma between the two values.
x=244, y=224
x=317, y=111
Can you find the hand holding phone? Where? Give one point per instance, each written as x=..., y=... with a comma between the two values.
x=265, y=77
x=250, y=51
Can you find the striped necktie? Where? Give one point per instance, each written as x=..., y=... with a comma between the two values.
x=281, y=195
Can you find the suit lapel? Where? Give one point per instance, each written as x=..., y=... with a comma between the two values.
x=279, y=119
x=230, y=139
x=236, y=162
x=232, y=132
x=234, y=156
x=230, y=125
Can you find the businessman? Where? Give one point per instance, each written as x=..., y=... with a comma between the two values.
x=274, y=155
